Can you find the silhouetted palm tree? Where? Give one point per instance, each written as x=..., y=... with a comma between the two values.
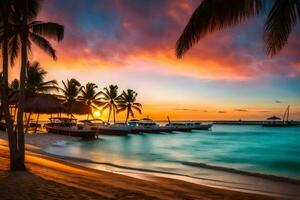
x=24, y=30
x=213, y=15
x=90, y=96
x=71, y=90
x=110, y=100
x=127, y=102
x=5, y=15
x=35, y=81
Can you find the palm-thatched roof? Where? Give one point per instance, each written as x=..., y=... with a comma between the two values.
x=43, y=104
x=76, y=107
x=274, y=118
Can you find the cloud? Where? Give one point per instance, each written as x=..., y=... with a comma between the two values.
x=221, y=111
x=278, y=101
x=111, y=33
x=241, y=110
x=185, y=109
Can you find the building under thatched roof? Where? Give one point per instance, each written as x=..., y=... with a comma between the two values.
x=76, y=107
x=43, y=104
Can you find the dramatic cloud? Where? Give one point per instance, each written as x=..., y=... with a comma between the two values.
x=122, y=33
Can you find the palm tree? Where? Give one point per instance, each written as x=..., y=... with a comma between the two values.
x=213, y=15
x=71, y=90
x=35, y=80
x=5, y=15
x=90, y=96
x=110, y=100
x=24, y=31
x=127, y=101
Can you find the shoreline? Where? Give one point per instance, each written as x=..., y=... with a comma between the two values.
x=37, y=147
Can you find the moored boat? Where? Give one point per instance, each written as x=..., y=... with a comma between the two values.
x=117, y=129
x=66, y=126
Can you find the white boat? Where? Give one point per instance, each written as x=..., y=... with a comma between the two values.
x=147, y=125
x=66, y=126
x=117, y=129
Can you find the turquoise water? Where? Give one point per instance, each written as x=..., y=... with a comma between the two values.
x=247, y=148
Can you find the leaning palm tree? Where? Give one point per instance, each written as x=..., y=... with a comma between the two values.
x=24, y=31
x=110, y=100
x=90, y=96
x=127, y=102
x=213, y=15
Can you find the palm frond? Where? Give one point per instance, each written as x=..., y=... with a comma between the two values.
x=48, y=29
x=281, y=19
x=43, y=44
x=213, y=15
x=14, y=48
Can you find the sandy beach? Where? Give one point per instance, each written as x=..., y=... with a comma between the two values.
x=52, y=178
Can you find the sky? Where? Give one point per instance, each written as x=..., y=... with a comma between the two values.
x=131, y=43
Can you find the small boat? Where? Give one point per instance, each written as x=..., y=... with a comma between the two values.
x=117, y=129
x=67, y=126
x=277, y=122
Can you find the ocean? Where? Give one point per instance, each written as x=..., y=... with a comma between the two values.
x=254, y=149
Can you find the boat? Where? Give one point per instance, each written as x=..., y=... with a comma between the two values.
x=201, y=126
x=147, y=125
x=117, y=129
x=94, y=124
x=179, y=126
x=67, y=126
x=277, y=122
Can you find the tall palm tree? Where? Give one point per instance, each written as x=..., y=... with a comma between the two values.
x=90, y=96
x=110, y=100
x=213, y=15
x=24, y=31
x=127, y=102
x=5, y=15
x=71, y=90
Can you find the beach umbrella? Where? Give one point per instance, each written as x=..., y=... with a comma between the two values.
x=76, y=107
x=274, y=118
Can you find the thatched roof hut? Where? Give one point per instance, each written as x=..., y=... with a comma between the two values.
x=76, y=107
x=43, y=104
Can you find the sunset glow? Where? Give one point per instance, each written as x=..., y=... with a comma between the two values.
x=226, y=76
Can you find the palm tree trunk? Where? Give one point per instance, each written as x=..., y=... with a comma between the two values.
x=36, y=123
x=20, y=123
x=27, y=124
x=8, y=121
x=114, y=110
x=127, y=116
x=109, y=113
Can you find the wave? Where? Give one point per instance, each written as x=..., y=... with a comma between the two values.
x=191, y=164
x=236, y=171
